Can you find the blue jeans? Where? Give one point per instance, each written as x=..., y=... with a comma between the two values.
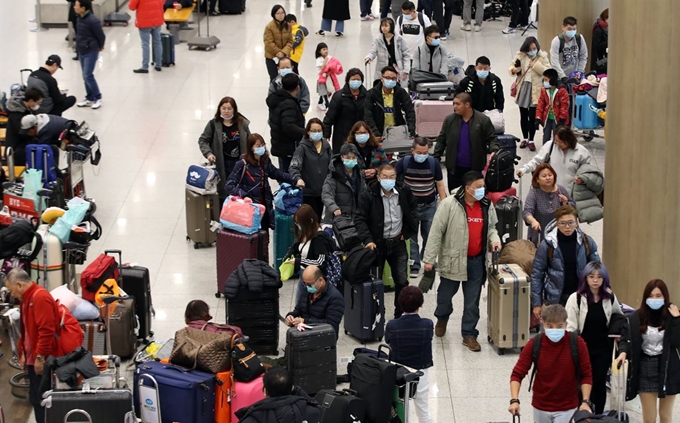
x=365, y=7
x=155, y=34
x=472, y=291
x=425, y=217
x=87, y=64
x=326, y=25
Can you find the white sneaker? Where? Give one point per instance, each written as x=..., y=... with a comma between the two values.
x=84, y=103
x=372, y=16
x=509, y=30
x=321, y=107
x=466, y=27
x=478, y=28
x=97, y=104
x=366, y=18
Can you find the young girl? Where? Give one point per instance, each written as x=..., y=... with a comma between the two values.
x=553, y=105
x=328, y=67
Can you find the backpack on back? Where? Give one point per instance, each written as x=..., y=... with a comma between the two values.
x=358, y=265
x=573, y=346
x=563, y=41
x=501, y=172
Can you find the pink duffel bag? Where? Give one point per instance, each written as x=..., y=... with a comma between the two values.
x=241, y=215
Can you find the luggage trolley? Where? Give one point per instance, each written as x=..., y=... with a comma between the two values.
x=587, y=119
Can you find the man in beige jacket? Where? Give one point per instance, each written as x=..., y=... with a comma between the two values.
x=464, y=227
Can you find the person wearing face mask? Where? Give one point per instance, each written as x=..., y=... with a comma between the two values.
x=545, y=196
x=284, y=68
x=344, y=183
x=463, y=229
x=556, y=379
x=652, y=346
x=485, y=88
x=412, y=26
x=278, y=40
x=553, y=105
x=370, y=152
x=527, y=67
x=387, y=103
x=568, y=50
x=601, y=42
x=423, y=174
x=346, y=109
x=223, y=140
x=431, y=56
x=386, y=218
x=321, y=303
x=19, y=106
x=389, y=49
x=286, y=120
x=311, y=163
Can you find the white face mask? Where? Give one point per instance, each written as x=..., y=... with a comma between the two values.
x=36, y=107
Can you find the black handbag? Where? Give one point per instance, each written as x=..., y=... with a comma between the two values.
x=245, y=363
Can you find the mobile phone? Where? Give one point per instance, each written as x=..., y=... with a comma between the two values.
x=518, y=63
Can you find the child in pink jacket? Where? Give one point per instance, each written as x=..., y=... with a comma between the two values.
x=328, y=67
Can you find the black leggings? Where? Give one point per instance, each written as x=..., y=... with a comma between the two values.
x=600, y=361
x=323, y=99
x=526, y=119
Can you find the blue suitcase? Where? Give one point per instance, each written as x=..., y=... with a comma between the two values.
x=284, y=237
x=584, y=118
x=181, y=395
x=365, y=310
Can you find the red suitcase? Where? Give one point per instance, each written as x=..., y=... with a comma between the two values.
x=430, y=115
x=234, y=247
x=495, y=196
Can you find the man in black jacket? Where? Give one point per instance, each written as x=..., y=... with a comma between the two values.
x=17, y=107
x=386, y=218
x=323, y=303
x=484, y=87
x=286, y=120
x=90, y=41
x=54, y=101
x=285, y=403
x=387, y=103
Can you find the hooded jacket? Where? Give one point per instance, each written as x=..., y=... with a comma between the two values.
x=311, y=166
x=343, y=112
x=422, y=59
x=547, y=277
x=328, y=308
x=149, y=13
x=542, y=63
x=302, y=95
x=16, y=109
x=370, y=217
x=286, y=121
x=253, y=275
x=486, y=96
x=90, y=37
x=380, y=54
x=374, y=114
x=287, y=409
x=338, y=193
x=585, y=195
x=277, y=39
x=565, y=164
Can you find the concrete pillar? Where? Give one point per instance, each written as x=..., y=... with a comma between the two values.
x=642, y=205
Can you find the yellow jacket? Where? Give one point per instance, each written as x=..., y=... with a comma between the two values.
x=299, y=34
x=276, y=40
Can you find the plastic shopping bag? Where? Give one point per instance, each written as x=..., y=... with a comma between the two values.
x=33, y=184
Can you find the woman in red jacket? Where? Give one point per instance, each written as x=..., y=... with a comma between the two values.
x=149, y=19
x=553, y=105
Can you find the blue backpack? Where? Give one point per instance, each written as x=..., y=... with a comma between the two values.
x=41, y=157
x=287, y=199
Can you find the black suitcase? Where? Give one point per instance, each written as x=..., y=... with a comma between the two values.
x=231, y=7
x=168, y=44
x=340, y=406
x=509, y=213
x=137, y=284
x=257, y=314
x=508, y=142
x=312, y=357
x=365, y=310
x=501, y=172
x=374, y=380
x=102, y=406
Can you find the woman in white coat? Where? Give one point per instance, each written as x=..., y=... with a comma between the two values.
x=389, y=49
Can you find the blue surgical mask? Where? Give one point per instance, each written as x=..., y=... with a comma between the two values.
x=435, y=42
x=479, y=193
x=547, y=85
x=315, y=136
x=389, y=84
x=570, y=34
x=407, y=17
x=285, y=71
x=420, y=158
x=259, y=151
x=532, y=53
x=555, y=335
x=482, y=74
x=311, y=289
x=388, y=184
x=349, y=163
x=354, y=84
x=655, y=303
x=361, y=138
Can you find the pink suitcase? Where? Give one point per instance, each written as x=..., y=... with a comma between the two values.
x=430, y=116
x=245, y=394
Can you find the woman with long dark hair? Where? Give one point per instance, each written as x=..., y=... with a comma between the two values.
x=278, y=40
x=371, y=153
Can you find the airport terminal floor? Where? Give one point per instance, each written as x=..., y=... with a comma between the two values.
x=149, y=126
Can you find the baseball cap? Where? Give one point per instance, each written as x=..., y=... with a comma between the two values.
x=28, y=122
x=54, y=59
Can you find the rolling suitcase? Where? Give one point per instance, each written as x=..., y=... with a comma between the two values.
x=509, y=306
x=284, y=237
x=430, y=115
x=508, y=142
x=137, y=284
x=231, y=7
x=374, y=380
x=312, y=357
x=94, y=339
x=201, y=210
x=245, y=394
x=122, y=326
x=48, y=267
x=223, y=381
x=436, y=90
x=257, y=314
x=100, y=406
x=584, y=118
x=166, y=394
x=168, y=45
x=509, y=214
x=365, y=310
x=340, y=406
x=234, y=247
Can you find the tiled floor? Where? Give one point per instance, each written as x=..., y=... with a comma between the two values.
x=149, y=126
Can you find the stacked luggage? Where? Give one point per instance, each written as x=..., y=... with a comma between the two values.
x=202, y=204
x=365, y=309
x=431, y=86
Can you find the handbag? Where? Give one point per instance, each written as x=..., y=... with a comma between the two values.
x=287, y=269
x=396, y=134
x=198, y=349
x=246, y=364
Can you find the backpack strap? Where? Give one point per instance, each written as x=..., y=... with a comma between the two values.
x=421, y=19
x=586, y=244
x=400, y=20
x=563, y=41
x=535, y=352
x=573, y=345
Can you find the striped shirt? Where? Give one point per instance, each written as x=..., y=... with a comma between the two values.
x=420, y=179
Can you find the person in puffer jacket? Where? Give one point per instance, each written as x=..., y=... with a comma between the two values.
x=560, y=260
x=588, y=184
x=344, y=183
x=253, y=275
x=323, y=303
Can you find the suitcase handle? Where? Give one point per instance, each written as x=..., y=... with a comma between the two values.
x=495, y=255
x=77, y=411
x=389, y=351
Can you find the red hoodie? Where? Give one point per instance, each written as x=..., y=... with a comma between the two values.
x=39, y=322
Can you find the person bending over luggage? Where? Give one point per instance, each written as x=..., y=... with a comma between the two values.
x=410, y=339
x=285, y=67
x=464, y=228
x=568, y=50
x=323, y=303
x=562, y=370
x=652, y=346
x=19, y=106
x=431, y=57
x=344, y=183
x=286, y=120
x=484, y=87
x=54, y=101
x=387, y=217
x=544, y=197
x=465, y=138
x=284, y=402
x=595, y=312
x=311, y=162
x=387, y=103
x=250, y=178
x=560, y=260
x=371, y=154
x=44, y=129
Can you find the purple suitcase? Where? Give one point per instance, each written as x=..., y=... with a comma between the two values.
x=233, y=248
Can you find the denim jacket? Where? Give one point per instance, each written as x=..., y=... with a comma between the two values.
x=410, y=338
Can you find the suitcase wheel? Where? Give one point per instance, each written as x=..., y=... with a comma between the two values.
x=501, y=351
x=217, y=295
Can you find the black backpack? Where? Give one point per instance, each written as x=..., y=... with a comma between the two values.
x=573, y=345
x=345, y=232
x=563, y=41
x=501, y=172
x=357, y=267
x=16, y=236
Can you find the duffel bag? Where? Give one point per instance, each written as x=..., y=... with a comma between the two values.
x=202, y=179
x=241, y=215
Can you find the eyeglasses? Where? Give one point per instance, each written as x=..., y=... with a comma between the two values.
x=389, y=78
x=436, y=38
x=567, y=224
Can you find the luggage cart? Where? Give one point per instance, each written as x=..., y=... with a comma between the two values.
x=586, y=134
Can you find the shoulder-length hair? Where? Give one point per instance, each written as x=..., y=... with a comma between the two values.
x=311, y=122
x=584, y=289
x=537, y=172
x=372, y=140
x=567, y=136
x=238, y=117
x=645, y=312
x=306, y=217
x=390, y=21
x=250, y=144
x=528, y=41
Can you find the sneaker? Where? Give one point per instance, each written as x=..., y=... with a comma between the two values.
x=321, y=107
x=321, y=32
x=84, y=103
x=338, y=34
x=445, y=36
x=158, y=68
x=414, y=273
x=471, y=343
x=478, y=28
x=440, y=327
x=366, y=18
x=97, y=104
x=532, y=146
x=509, y=30
x=523, y=144
x=466, y=27
x=522, y=27
x=141, y=70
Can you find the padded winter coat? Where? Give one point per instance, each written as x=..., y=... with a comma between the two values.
x=422, y=58
x=332, y=69
x=149, y=13
x=542, y=63
x=337, y=190
x=287, y=409
x=370, y=218
x=328, y=308
x=311, y=166
x=277, y=39
x=302, y=95
x=585, y=195
x=253, y=275
x=286, y=121
x=379, y=53
x=343, y=112
x=560, y=106
x=90, y=37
